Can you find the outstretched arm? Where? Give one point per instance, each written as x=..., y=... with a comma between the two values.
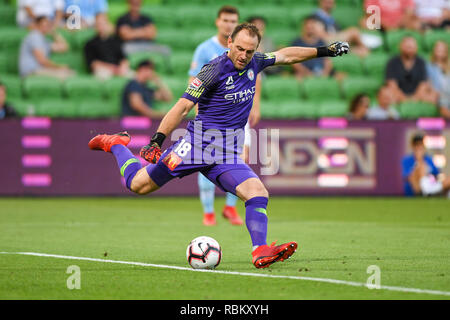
x=291, y=55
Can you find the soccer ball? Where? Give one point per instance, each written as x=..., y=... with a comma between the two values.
x=204, y=253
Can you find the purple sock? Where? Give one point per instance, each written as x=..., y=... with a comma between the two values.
x=256, y=219
x=128, y=164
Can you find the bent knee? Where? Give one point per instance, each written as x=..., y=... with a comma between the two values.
x=142, y=183
x=259, y=190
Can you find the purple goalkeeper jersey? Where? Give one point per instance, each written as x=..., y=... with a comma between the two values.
x=225, y=97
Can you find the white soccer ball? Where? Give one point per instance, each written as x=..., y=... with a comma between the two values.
x=204, y=253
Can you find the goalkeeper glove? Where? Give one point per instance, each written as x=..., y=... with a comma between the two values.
x=333, y=50
x=152, y=151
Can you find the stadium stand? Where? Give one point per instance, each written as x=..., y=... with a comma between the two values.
x=182, y=26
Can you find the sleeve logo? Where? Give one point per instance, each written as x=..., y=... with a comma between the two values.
x=195, y=84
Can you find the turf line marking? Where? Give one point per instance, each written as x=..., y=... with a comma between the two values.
x=247, y=274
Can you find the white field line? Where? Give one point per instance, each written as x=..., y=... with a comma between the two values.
x=245, y=274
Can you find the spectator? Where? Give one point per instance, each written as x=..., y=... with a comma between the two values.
x=395, y=14
x=103, y=53
x=433, y=13
x=420, y=175
x=330, y=30
x=89, y=10
x=384, y=109
x=359, y=106
x=6, y=110
x=35, y=50
x=137, y=98
x=310, y=38
x=29, y=10
x=138, y=32
x=266, y=44
x=438, y=70
x=406, y=75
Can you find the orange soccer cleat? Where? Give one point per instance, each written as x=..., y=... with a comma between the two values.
x=209, y=219
x=106, y=141
x=265, y=255
x=232, y=215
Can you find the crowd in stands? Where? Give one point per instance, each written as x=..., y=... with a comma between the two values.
x=411, y=74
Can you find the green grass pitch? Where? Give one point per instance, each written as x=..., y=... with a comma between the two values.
x=338, y=238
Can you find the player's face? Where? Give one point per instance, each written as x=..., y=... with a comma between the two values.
x=242, y=49
x=226, y=23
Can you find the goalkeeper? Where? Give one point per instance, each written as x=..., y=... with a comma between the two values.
x=220, y=110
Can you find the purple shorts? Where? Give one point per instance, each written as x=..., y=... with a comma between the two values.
x=227, y=176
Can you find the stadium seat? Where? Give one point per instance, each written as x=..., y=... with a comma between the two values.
x=282, y=37
x=431, y=37
x=162, y=63
x=56, y=108
x=73, y=59
x=11, y=38
x=97, y=108
x=281, y=88
x=113, y=88
x=393, y=39
x=162, y=15
x=347, y=15
x=320, y=88
x=413, y=110
x=8, y=61
x=13, y=85
x=81, y=88
x=22, y=106
x=180, y=62
x=7, y=15
x=350, y=64
x=194, y=17
x=40, y=87
x=352, y=86
x=288, y=109
x=177, y=85
x=81, y=37
x=333, y=108
x=375, y=64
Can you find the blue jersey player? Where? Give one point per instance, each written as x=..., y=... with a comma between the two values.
x=227, y=19
x=222, y=109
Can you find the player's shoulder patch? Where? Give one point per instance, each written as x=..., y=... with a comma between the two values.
x=195, y=84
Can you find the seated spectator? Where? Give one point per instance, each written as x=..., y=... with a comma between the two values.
x=359, y=106
x=266, y=44
x=406, y=75
x=89, y=10
x=420, y=175
x=6, y=110
x=138, y=98
x=330, y=30
x=138, y=32
x=433, y=14
x=395, y=14
x=29, y=10
x=103, y=53
x=310, y=37
x=384, y=109
x=438, y=70
x=35, y=50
